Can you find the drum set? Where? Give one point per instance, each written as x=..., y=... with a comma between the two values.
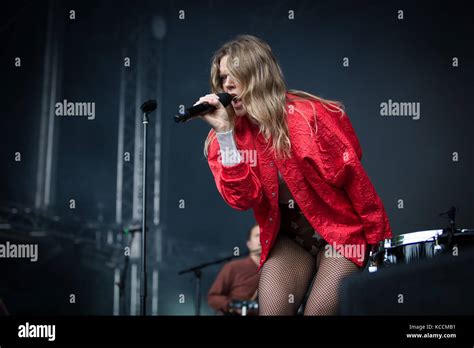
x=414, y=246
x=243, y=308
x=419, y=245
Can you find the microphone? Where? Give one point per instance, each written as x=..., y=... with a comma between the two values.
x=148, y=106
x=201, y=109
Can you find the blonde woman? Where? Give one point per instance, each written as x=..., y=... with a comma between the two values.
x=315, y=205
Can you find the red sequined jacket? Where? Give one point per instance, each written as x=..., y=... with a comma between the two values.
x=324, y=175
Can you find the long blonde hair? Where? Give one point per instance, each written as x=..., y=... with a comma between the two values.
x=252, y=63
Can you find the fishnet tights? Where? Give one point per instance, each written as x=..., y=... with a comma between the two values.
x=289, y=271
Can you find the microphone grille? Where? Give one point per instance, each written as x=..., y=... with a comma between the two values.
x=224, y=98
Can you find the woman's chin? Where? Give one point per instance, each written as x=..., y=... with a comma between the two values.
x=240, y=112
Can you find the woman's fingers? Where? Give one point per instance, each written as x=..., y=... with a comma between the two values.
x=210, y=99
x=214, y=102
x=218, y=118
x=207, y=97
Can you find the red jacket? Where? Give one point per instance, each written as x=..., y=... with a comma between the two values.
x=324, y=175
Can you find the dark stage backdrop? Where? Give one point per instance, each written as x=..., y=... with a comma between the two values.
x=363, y=53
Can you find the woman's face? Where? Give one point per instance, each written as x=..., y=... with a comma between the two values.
x=231, y=86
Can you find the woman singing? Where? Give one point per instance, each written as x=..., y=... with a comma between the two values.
x=293, y=158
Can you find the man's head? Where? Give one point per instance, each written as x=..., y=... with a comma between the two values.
x=253, y=240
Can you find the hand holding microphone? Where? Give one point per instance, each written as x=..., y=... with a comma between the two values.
x=212, y=109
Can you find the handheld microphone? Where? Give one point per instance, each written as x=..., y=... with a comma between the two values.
x=202, y=109
x=148, y=106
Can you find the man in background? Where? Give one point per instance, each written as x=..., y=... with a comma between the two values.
x=238, y=279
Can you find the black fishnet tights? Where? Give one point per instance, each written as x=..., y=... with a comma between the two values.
x=289, y=271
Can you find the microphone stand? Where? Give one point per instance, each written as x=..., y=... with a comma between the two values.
x=147, y=108
x=197, y=270
x=123, y=278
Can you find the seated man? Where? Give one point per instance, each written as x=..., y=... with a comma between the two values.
x=238, y=279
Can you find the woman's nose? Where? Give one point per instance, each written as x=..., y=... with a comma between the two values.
x=228, y=83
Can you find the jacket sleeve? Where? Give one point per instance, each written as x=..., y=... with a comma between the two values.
x=218, y=295
x=337, y=159
x=238, y=184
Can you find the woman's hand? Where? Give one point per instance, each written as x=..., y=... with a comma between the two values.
x=218, y=118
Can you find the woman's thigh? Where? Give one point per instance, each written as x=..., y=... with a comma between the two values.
x=324, y=295
x=284, y=278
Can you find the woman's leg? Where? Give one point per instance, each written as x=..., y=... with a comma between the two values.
x=324, y=296
x=284, y=278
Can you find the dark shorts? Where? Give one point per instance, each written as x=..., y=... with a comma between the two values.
x=295, y=225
